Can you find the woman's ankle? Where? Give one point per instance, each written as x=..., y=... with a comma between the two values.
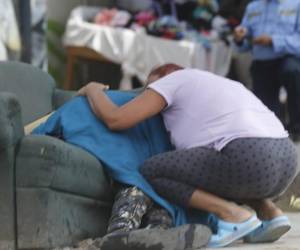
x=235, y=214
x=268, y=210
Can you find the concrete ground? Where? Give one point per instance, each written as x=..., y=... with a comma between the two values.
x=291, y=241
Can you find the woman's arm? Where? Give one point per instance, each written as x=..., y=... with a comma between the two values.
x=145, y=105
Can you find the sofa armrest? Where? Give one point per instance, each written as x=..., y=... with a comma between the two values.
x=10, y=120
x=11, y=131
x=60, y=97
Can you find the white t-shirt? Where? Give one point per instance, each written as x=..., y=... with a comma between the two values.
x=204, y=109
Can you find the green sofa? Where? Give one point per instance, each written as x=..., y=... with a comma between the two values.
x=51, y=193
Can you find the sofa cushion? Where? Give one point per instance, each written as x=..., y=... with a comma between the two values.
x=48, y=162
x=33, y=87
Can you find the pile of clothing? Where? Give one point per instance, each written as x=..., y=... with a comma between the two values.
x=192, y=20
x=113, y=17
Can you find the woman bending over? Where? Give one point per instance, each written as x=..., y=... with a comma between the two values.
x=229, y=148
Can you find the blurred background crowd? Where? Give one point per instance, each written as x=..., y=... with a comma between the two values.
x=32, y=30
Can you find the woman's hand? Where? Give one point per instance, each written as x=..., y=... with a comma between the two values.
x=82, y=91
x=92, y=86
x=240, y=33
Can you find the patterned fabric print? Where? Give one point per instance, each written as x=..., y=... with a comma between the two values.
x=129, y=207
x=157, y=217
x=249, y=168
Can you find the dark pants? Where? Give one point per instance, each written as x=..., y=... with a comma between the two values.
x=269, y=76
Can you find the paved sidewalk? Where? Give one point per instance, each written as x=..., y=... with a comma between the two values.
x=291, y=241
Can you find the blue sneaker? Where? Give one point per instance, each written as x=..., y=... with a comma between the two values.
x=270, y=230
x=230, y=232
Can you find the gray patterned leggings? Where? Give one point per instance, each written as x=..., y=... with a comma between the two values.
x=247, y=168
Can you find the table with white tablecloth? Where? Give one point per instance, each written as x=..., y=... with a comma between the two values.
x=138, y=52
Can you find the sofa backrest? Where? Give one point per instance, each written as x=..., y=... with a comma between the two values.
x=33, y=87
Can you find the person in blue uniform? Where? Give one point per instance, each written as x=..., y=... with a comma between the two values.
x=271, y=29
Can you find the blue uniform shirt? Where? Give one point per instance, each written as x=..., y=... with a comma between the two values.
x=279, y=19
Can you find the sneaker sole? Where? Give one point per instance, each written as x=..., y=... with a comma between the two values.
x=273, y=234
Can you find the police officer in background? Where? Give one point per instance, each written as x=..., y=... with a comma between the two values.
x=271, y=29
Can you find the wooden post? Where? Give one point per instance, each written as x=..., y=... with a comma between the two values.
x=75, y=53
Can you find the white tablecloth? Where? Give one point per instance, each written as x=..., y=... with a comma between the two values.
x=9, y=33
x=138, y=52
